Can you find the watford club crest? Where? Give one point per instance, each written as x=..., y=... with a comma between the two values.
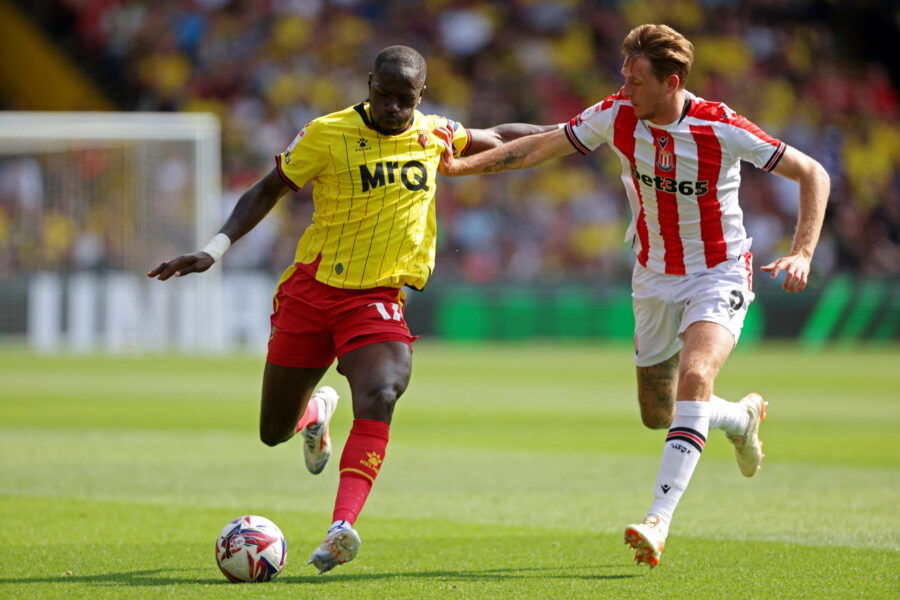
x=423, y=138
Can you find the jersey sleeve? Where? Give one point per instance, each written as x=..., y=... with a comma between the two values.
x=304, y=157
x=462, y=138
x=751, y=143
x=591, y=127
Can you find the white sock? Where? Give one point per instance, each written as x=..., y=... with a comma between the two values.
x=684, y=444
x=730, y=417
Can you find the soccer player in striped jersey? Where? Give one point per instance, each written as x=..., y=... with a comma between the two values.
x=692, y=281
x=373, y=168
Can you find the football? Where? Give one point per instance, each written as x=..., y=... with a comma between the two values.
x=251, y=548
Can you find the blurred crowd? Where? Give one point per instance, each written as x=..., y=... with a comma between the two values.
x=267, y=67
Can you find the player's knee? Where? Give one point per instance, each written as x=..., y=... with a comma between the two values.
x=271, y=435
x=379, y=403
x=695, y=378
x=656, y=420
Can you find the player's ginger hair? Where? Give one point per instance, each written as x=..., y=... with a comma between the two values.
x=669, y=52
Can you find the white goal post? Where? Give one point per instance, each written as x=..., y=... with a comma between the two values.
x=89, y=202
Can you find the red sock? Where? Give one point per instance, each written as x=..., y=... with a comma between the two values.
x=311, y=415
x=360, y=463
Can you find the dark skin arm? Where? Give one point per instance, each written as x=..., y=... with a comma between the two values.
x=257, y=201
x=485, y=139
x=253, y=205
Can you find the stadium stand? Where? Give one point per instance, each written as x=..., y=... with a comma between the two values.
x=268, y=67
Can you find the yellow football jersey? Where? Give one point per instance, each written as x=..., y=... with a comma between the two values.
x=373, y=195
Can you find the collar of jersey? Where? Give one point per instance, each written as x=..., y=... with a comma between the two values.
x=363, y=109
x=685, y=109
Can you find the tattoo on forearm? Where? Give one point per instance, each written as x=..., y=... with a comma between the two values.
x=510, y=160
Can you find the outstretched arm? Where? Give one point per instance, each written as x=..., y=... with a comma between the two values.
x=485, y=139
x=253, y=205
x=815, y=186
x=520, y=154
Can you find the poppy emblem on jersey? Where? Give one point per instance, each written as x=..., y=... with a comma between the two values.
x=423, y=139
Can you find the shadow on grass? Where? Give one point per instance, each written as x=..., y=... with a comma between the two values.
x=158, y=577
x=467, y=575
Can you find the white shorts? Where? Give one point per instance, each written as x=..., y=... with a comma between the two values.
x=665, y=305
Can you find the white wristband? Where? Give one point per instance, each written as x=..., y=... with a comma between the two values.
x=217, y=246
x=560, y=125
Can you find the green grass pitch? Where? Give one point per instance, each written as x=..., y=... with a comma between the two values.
x=512, y=472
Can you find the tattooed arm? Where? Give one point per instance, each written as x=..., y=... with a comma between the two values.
x=522, y=153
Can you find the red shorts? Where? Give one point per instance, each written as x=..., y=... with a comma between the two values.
x=312, y=323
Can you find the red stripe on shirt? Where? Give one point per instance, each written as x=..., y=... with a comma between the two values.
x=709, y=159
x=667, y=203
x=623, y=140
x=716, y=111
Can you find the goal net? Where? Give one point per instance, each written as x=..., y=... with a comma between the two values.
x=89, y=202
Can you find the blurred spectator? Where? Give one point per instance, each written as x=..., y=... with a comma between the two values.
x=267, y=67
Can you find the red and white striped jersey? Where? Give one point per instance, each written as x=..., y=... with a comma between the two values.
x=681, y=179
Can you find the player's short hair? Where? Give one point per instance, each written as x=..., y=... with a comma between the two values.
x=406, y=59
x=669, y=52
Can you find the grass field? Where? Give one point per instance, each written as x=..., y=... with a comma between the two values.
x=511, y=473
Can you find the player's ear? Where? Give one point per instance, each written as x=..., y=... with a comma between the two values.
x=421, y=93
x=673, y=82
x=369, y=86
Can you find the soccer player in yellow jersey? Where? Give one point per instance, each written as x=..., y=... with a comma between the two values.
x=373, y=169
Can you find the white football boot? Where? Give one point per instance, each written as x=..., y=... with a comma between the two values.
x=747, y=447
x=316, y=441
x=647, y=540
x=340, y=546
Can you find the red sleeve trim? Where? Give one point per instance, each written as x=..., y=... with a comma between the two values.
x=284, y=177
x=573, y=139
x=468, y=145
x=776, y=157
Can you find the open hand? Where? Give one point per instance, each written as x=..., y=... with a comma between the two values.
x=183, y=265
x=796, y=271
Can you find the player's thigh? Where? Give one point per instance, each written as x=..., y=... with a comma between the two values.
x=378, y=374
x=721, y=295
x=656, y=318
x=373, y=344
x=285, y=393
